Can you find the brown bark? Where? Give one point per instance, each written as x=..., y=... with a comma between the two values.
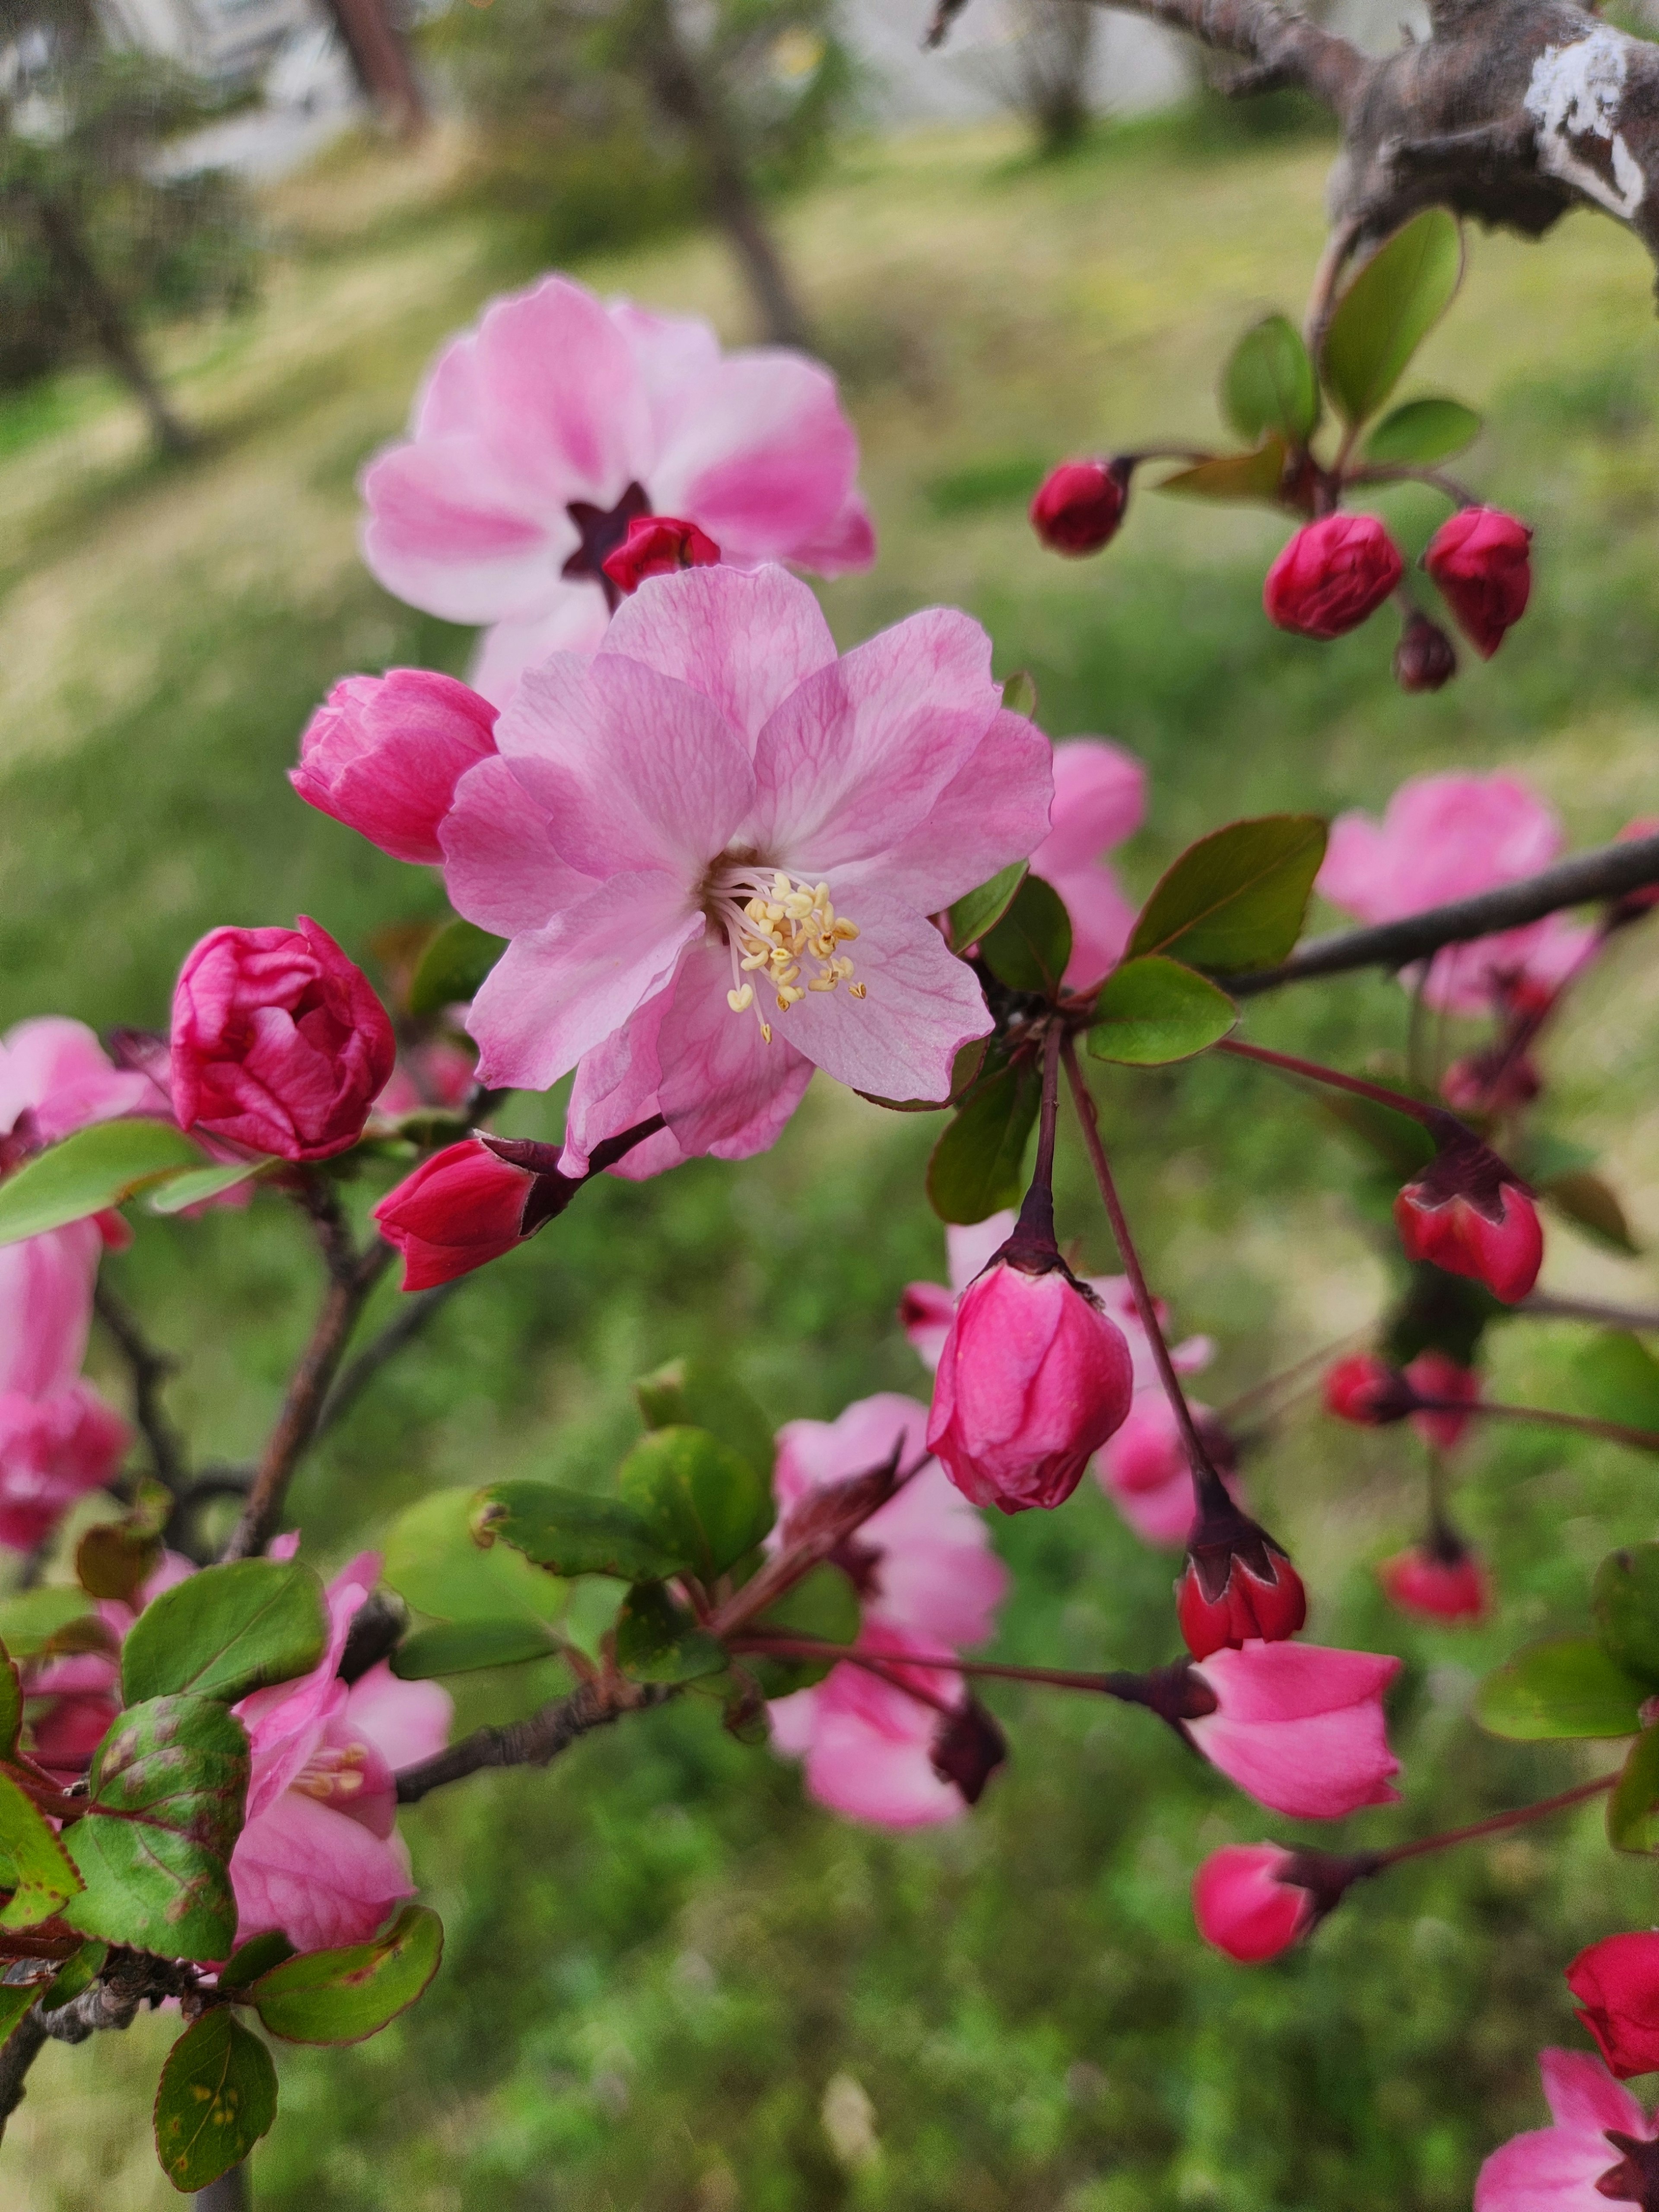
x=381, y=56
x=106, y=318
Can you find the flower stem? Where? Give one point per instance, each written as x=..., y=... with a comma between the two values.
x=1435, y=1119
x=1497, y=1824
x=1588, y=1424
x=1035, y=1226
x=1122, y=1685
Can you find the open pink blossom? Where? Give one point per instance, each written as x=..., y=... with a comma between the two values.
x=319, y=1856
x=1100, y=800
x=1299, y=1726
x=542, y=431
x=867, y=1741
x=714, y=846
x=55, y=1078
x=53, y=1450
x=1452, y=836
x=1600, y=2146
x=74, y=1700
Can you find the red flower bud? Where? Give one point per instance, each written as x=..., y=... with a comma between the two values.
x=1441, y=1580
x=463, y=1208
x=1424, y=658
x=1246, y=1904
x=1079, y=505
x=1433, y=1375
x=656, y=545
x=1367, y=1391
x=1332, y=575
x=1479, y=558
x=278, y=1042
x=1498, y=1242
x=1238, y=1585
x=383, y=754
x=1616, y=1985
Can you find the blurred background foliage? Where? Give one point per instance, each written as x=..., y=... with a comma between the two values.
x=670, y=1983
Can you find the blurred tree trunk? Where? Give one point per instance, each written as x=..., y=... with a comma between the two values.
x=227, y=2194
x=381, y=56
x=107, y=320
x=1055, y=51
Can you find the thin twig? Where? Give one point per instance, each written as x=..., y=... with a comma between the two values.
x=534, y=1741
x=399, y=1333
x=150, y=1369
x=1546, y=1305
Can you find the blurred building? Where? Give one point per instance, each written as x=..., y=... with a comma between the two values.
x=226, y=41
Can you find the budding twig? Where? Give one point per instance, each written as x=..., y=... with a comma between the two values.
x=149, y=1370
x=1587, y=1425
x=533, y=1743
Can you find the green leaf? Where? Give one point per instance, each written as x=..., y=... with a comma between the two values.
x=1028, y=947
x=658, y=1641
x=699, y=1394
x=699, y=1501
x=1019, y=694
x=95, y=1169
x=978, y=912
x=453, y=967
x=1625, y=1606
x=255, y=1957
x=1633, y=1808
x=1237, y=900
x=341, y=1996
x=11, y=1704
x=1568, y=1686
x=978, y=1164
x=461, y=1647
x=1388, y=310
x=571, y=1532
x=169, y=1782
x=823, y=1604
x=1152, y=1010
x=1589, y=1204
x=200, y=1184
x=45, y=1880
x=225, y=1631
x=217, y=2097
x=15, y=1999
x=1615, y=1378
x=77, y=1974
x=1249, y=479
x=1422, y=431
x=434, y=1564
x=31, y=1618
x=113, y=1557
x=1269, y=383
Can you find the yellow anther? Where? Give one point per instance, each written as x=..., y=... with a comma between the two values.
x=766, y=1032
x=787, y=997
x=823, y=983
x=846, y=931
x=788, y=975
x=855, y=990
x=740, y=1001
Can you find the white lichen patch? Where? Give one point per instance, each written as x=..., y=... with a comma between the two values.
x=1574, y=99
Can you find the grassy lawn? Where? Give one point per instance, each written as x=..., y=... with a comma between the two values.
x=663, y=1966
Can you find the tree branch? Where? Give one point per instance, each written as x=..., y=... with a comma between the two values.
x=22, y=2047
x=149, y=1370
x=1608, y=872
x=534, y=1741
x=1545, y=1305
x=397, y=1334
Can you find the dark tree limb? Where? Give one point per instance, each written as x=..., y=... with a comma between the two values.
x=1546, y=1305
x=534, y=1741
x=22, y=2047
x=395, y=1337
x=149, y=1370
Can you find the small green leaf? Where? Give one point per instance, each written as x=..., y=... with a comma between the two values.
x=1028, y=947
x=699, y=1394
x=45, y=1880
x=1422, y=431
x=1589, y=1204
x=1019, y=694
x=699, y=1501
x=196, y=1188
x=1238, y=899
x=217, y=2097
x=113, y=1557
x=1269, y=383
x=15, y=1999
x=11, y=1704
x=658, y=1641
x=225, y=1631
x=1388, y=310
x=30, y=1619
x=1152, y=1010
x=1633, y=1808
x=823, y=1604
x=572, y=1532
x=77, y=1974
x=1615, y=1378
x=461, y=1647
x=169, y=1784
x=341, y=1996
x=434, y=1564
x=1245, y=479
x=255, y=1957
x=453, y=967
x=979, y=912
x=97, y=1168
x=978, y=1164
x=1625, y=1606
x=1568, y=1686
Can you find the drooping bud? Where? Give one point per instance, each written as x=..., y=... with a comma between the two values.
x=1365, y=1390
x=1439, y=1580
x=1331, y=576
x=1479, y=558
x=1424, y=658
x=1238, y=1585
x=657, y=545
x=968, y=1747
x=1079, y=505
x=1254, y=1900
x=1299, y=1726
x=1615, y=1986
x=458, y=1211
x=1434, y=1375
x=1470, y=1213
x=384, y=753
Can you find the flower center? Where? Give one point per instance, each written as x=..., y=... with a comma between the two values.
x=784, y=934
x=331, y=1773
x=602, y=530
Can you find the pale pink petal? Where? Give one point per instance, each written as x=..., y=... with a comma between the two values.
x=746, y=642
x=564, y=402
x=765, y=459
x=500, y=867
x=724, y=1090
x=990, y=813
x=567, y=616
x=446, y=533
x=615, y=1089
x=792, y=1721
x=322, y=1879
x=881, y=1775
x=450, y=399
x=674, y=355
x=848, y=543
x=45, y=1308
x=1100, y=798
x=1290, y=1681
x=1582, y=2095
x=813, y=1453
x=56, y=1071
x=969, y=1251
x=937, y=1576
x=926, y=1311
x=1102, y=921
x=1547, y=2170
x=405, y=1721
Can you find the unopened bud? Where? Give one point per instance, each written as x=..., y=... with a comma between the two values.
x=1480, y=559
x=1331, y=576
x=657, y=545
x=1424, y=658
x=1079, y=505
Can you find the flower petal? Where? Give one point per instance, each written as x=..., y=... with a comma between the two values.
x=564, y=403
x=1100, y=798
x=500, y=867
x=566, y=617
x=1582, y=2094
x=321, y=1878
x=446, y=533
x=993, y=810
x=744, y=640
x=763, y=458
x=724, y=1090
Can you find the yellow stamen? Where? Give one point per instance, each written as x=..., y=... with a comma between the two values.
x=740, y=1001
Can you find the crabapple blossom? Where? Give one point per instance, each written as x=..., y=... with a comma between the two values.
x=866, y=1740
x=1100, y=800
x=53, y=1450
x=1078, y=506
x=1601, y=2145
x=1238, y=1585
x=1246, y=1903
x=559, y=419
x=459, y=1210
x=1299, y=1726
x=1439, y=1580
x=1144, y=1469
x=383, y=754
x=1331, y=576
x=1480, y=558
x=1493, y=1237
x=1615, y=1986
x=715, y=845
x=656, y=544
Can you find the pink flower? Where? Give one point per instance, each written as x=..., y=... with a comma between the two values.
x=543, y=431
x=1615, y=1984
x=1100, y=800
x=1299, y=1726
x=867, y=1741
x=1433, y=1375
x=1441, y=1580
x=459, y=1210
x=1333, y=575
x=278, y=1042
x=1480, y=558
x=319, y=1856
x=1601, y=2135
x=1144, y=1470
x=656, y=544
x=1244, y=1905
x=715, y=846
x=383, y=754
x=53, y=1450
x=1033, y=1379
x=56, y=1077
x=1452, y=836
x=1079, y=505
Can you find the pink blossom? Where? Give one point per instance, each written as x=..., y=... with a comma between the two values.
x=867, y=1741
x=53, y=1450
x=319, y=1856
x=1451, y=836
x=1598, y=2129
x=383, y=754
x=55, y=1078
x=542, y=431
x=1144, y=1469
x=1100, y=800
x=1244, y=1905
x=1299, y=1726
x=714, y=847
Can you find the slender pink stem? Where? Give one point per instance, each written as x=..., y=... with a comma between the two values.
x=1434, y=1118
x=812, y=1647
x=1588, y=1424
x=1498, y=1822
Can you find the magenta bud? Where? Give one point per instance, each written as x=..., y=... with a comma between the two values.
x=1424, y=658
x=1481, y=559
x=657, y=545
x=1079, y=505
x=460, y=1209
x=1254, y=1901
x=1365, y=1390
x=383, y=754
x=1331, y=576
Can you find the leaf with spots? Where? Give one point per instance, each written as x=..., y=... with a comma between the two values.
x=41, y=1879
x=343, y=1996
x=217, y=2096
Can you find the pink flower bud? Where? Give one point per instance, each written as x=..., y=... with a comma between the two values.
x=1615, y=1984
x=1365, y=1390
x=460, y=1209
x=1441, y=1580
x=1246, y=1904
x=278, y=1042
x=1332, y=575
x=384, y=753
x=52, y=1450
x=1424, y=659
x=1032, y=1380
x=1479, y=558
x=1237, y=1584
x=1433, y=1375
x=1495, y=1239
x=1079, y=505
x=656, y=545
x=1299, y=1726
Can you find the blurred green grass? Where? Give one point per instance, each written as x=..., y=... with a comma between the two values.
x=664, y=1968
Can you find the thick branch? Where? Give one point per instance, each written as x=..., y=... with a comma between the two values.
x=1608, y=872
x=149, y=1370
x=534, y=1741
x=22, y=2047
